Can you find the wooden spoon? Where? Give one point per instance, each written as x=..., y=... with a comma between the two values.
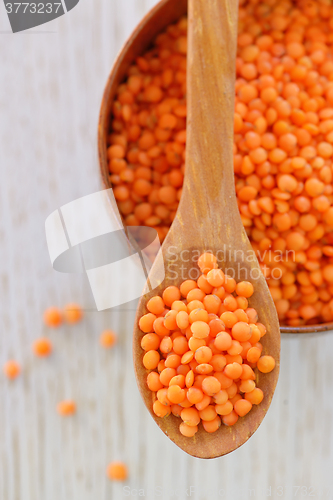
x=208, y=216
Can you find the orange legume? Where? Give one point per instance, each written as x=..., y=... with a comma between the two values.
x=206, y=400
x=66, y=408
x=42, y=347
x=221, y=397
x=159, y=327
x=151, y=359
x=255, y=397
x=150, y=341
x=172, y=361
x=162, y=396
x=241, y=331
x=225, y=408
x=215, y=277
x=166, y=375
x=230, y=419
x=242, y=407
x=207, y=262
x=233, y=370
x=146, y=322
x=11, y=369
x=155, y=305
x=211, y=386
x=161, y=410
x=188, y=431
x=212, y=425
x=203, y=373
x=190, y=416
x=170, y=295
x=229, y=319
x=153, y=382
x=200, y=329
x=195, y=395
x=176, y=394
x=223, y=341
x=73, y=313
x=266, y=364
x=117, y=471
x=108, y=338
x=52, y=317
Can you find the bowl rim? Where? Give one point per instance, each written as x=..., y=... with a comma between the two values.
x=103, y=127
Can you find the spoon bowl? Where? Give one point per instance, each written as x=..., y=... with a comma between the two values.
x=226, y=439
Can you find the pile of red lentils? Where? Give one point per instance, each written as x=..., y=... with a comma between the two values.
x=283, y=145
x=202, y=343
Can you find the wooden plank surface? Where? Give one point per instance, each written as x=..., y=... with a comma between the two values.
x=51, y=83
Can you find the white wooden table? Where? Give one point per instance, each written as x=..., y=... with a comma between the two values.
x=52, y=79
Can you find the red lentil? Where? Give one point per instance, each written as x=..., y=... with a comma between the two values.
x=52, y=317
x=66, y=408
x=117, y=471
x=42, y=347
x=73, y=313
x=11, y=369
x=108, y=338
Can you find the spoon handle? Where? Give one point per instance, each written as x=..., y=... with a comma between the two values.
x=209, y=179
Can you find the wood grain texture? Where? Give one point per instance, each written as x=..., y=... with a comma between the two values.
x=51, y=86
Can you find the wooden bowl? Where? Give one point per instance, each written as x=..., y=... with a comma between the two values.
x=164, y=13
